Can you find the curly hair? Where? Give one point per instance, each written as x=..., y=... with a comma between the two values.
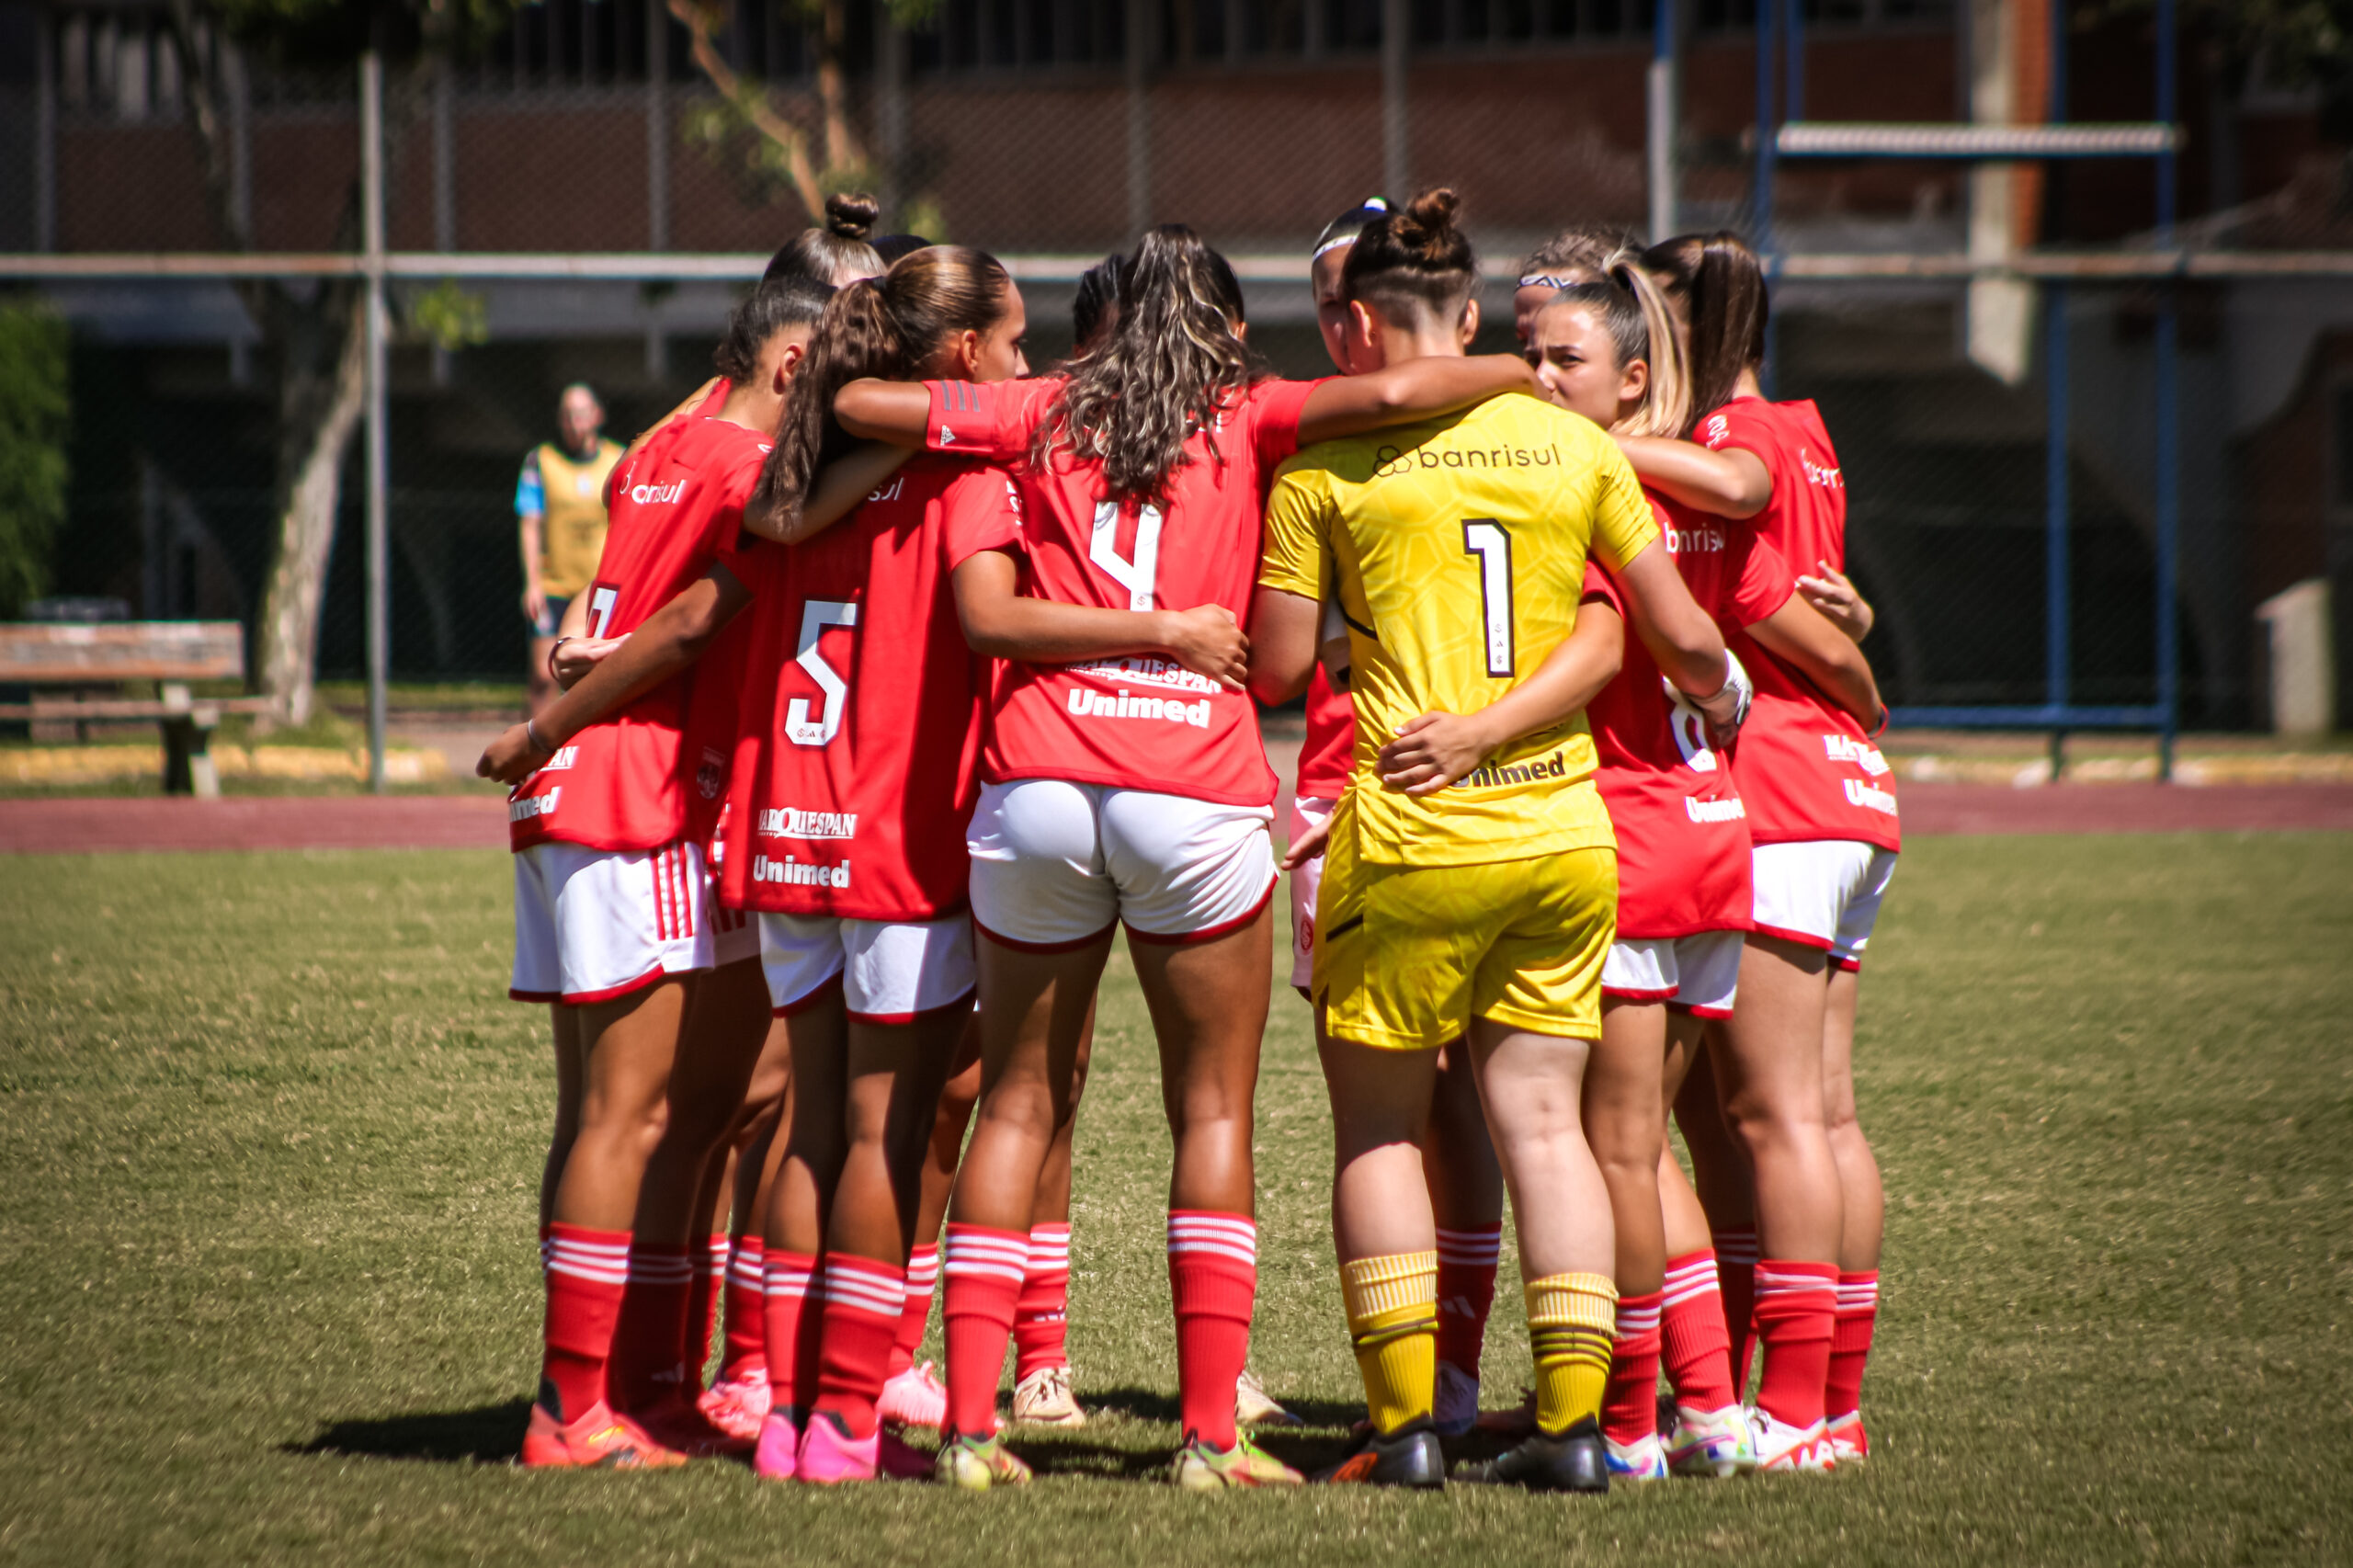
x=1172, y=364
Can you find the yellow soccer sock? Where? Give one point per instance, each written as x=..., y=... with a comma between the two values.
x=1570, y=1320
x=1392, y=1320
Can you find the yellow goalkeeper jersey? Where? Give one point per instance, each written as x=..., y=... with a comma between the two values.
x=1456, y=550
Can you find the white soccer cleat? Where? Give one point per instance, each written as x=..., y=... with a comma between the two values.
x=1641, y=1460
x=1785, y=1449
x=1455, y=1410
x=1253, y=1406
x=1849, y=1444
x=1709, y=1442
x=914, y=1398
x=1043, y=1399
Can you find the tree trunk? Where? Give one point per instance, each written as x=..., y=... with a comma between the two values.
x=318, y=410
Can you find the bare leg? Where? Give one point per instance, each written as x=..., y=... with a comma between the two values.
x=765, y=1104
x=808, y=1158
x=889, y=1110
x=1035, y=1011
x=1625, y=1129
x=1209, y=1010
x=571, y=1074
x=628, y=1045
x=1532, y=1087
x=1466, y=1185
x=1863, y=1213
x=1684, y=1221
x=1719, y=1164
x=726, y=1021
x=1770, y=1079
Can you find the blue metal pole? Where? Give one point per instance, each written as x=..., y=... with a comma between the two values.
x=2058, y=498
x=2168, y=456
x=1793, y=64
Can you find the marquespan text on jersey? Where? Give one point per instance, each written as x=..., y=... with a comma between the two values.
x=791, y=822
x=1862, y=753
x=564, y=757
x=1143, y=670
x=1395, y=462
x=1086, y=701
x=530, y=806
x=790, y=872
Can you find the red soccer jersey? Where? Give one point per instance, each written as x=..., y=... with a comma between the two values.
x=1806, y=769
x=862, y=705
x=1682, y=833
x=1140, y=722
x=625, y=783
x=1328, y=753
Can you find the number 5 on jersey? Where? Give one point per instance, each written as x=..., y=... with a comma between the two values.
x=816, y=615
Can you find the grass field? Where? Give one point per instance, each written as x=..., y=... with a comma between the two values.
x=267, y=1288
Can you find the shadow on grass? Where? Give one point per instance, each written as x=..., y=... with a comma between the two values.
x=488, y=1433
x=1153, y=1404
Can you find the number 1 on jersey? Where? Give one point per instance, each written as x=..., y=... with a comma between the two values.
x=600, y=607
x=1488, y=540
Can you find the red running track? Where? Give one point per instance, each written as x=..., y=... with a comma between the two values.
x=87, y=825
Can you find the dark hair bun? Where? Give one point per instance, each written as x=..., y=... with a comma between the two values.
x=1426, y=223
x=851, y=214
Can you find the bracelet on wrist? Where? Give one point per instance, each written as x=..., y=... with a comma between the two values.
x=554, y=649
x=531, y=733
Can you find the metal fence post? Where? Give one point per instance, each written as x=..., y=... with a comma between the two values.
x=1396, y=160
x=1760, y=197
x=1142, y=14
x=44, y=131
x=371, y=216
x=2168, y=454
x=1664, y=54
x=2058, y=562
x=657, y=171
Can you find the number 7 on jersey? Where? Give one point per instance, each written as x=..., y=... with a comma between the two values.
x=1488, y=543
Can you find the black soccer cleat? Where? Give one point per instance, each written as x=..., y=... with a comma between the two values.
x=1407, y=1456
x=1573, y=1461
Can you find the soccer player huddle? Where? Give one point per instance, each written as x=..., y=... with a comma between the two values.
x=908, y=678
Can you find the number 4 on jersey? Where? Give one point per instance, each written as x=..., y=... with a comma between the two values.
x=1487, y=540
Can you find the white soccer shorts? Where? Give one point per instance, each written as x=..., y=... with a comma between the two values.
x=890, y=972
x=592, y=924
x=1823, y=893
x=735, y=933
x=1306, y=880
x=1700, y=974
x=1055, y=864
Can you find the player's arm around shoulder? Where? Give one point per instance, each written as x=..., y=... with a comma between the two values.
x=1294, y=574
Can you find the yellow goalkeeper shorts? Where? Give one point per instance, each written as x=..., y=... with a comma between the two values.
x=1406, y=955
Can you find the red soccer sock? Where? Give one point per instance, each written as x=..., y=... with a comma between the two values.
x=1041, y=1316
x=1630, y=1402
x=1736, y=1282
x=1796, y=1305
x=742, y=1356
x=588, y=1271
x=1850, y=1342
x=1692, y=1342
x=788, y=1327
x=543, y=1251
x=863, y=1300
x=702, y=1311
x=923, y=1279
x=983, y=1272
x=649, y=1342
x=1213, y=1277
x=1466, y=1290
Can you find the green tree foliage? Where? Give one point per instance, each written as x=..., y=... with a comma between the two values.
x=34, y=411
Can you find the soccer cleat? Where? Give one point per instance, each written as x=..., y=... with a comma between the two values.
x=1518, y=1420
x=736, y=1407
x=830, y=1455
x=1457, y=1410
x=1576, y=1460
x=1707, y=1442
x=1200, y=1468
x=1641, y=1460
x=1408, y=1457
x=598, y=1440
x=975, y=1464
x=1849, y=1444
x=778, y=1454
x=675, y=1424
x=1253, y=1406
x=1784, y=1448
x=914, y=1398
x=1043, y=1399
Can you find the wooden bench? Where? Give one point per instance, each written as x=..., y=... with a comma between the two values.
x=60, y=659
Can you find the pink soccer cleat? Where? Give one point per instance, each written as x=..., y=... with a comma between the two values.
x=778, y=1456
x=914, y=1398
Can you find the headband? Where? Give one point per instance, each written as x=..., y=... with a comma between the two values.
x=1545, y=280
x=1374, y=204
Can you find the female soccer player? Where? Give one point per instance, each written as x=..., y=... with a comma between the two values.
x=1129, y=792
x=1822, y=810
x=1578, y=254
x=1466, y=1185
x=840, y=252
x=1469, y=886
x=612, y=905
x=1683, y=853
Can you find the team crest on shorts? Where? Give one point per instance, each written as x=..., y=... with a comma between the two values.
x=712, y=776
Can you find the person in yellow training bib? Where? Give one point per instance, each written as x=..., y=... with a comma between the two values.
x=560, y=502
x=1470, y=882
